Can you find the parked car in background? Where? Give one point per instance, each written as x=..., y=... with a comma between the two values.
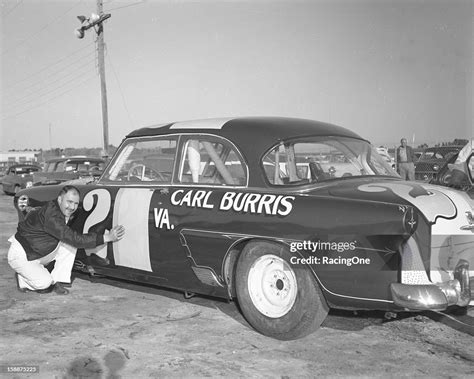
x=432, y=160
x=418, y=154
x=4, y=168
x=58, y=170
x=290, y=217
x=458, y=172
x=19, y=176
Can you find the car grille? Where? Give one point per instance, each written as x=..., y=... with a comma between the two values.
x=425, y=172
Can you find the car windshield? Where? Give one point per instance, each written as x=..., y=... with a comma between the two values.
x=84, y=165
x=320, y=159
x=143, y=161
x=25, y=170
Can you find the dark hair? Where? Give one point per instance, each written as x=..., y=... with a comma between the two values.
x=68, y=188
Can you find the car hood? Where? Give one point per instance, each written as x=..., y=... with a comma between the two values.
x=434, y=202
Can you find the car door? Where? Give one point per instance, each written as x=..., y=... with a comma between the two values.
x=166, y=191
x=125, y=195
x=187, y=218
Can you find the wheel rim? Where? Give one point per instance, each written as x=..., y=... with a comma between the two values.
x=272, y=286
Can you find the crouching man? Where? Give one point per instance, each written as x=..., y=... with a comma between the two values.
x=44, y=236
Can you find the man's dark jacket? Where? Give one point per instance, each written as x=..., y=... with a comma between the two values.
x=410, y=155
x=43, y=228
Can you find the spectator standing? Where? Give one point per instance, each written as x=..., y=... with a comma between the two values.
x=405, y=161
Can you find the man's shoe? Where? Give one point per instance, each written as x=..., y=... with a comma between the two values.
x=45, y=290
x=95, y=260
x=59, y=289
x=24, y=290
x=65, y=285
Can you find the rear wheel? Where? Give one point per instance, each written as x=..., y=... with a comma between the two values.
x=279, y=299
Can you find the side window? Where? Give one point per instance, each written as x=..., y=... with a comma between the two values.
x=61, y=167
x=274, y=165
x=149, y=161
x=321, y=159
x=70, y=166
x=206, y=160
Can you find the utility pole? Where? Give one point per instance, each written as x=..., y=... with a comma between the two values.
x=103, y=89
x=96, y=21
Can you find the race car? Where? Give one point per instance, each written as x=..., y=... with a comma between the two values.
x=290, y=217
x=18, y=176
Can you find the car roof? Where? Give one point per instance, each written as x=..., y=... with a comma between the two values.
x=82, y=158
x=258, y=133
x=24, y=165
x=437, y=148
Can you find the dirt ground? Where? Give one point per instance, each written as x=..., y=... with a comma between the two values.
x=114, y=329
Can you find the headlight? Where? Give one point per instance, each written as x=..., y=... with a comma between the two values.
x=435, y=167
x=29, y=184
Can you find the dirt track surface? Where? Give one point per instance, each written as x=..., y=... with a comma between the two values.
x=114, y=329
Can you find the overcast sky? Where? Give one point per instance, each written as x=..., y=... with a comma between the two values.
x=384, y=69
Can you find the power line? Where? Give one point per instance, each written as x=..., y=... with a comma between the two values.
x=56, y=75
x=37, y=96
x=12, y=9
x=49, y=100
x=36, y=34
x=126, y=6
x=50, y=91
x=121, y=92
x=49, y=66
x=59, y=79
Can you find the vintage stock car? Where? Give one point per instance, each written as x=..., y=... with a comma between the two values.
x=60, y=170
x=18, y=176
x=290, y=217
x=458, y=172
x=427, y=167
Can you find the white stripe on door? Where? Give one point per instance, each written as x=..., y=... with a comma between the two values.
x=131, y=210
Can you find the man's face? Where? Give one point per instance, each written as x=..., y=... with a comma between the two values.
x=68, y=203
x=404, y=142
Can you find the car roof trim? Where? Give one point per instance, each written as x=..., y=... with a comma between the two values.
x=209, y=123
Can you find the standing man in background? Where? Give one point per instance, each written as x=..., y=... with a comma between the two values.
x=405, y=161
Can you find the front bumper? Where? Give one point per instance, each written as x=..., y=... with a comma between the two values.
x=435, y=296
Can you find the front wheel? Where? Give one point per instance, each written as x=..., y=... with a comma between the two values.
x=277, y=298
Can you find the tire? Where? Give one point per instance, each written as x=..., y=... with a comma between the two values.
x=5, y=191
x=16, y=189
x=278, y=299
